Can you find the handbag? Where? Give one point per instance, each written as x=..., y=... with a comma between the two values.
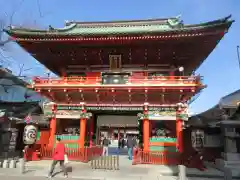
x=65, y=159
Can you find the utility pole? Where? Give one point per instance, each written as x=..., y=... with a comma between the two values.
x=238, y=56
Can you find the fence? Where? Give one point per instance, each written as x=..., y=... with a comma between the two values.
x=106, y=162
x=164, y=158
x=75, y=154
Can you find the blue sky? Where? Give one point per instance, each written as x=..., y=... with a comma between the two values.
x=220, y=70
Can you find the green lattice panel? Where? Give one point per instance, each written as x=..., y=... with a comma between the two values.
x=73, y=146
x=170, y=140
x=163, y=148
x=67, y=137
x=38, y=135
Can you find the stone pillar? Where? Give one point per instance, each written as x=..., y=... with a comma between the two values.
x=53, y=127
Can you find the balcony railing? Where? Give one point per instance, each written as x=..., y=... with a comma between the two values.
x=150, y=81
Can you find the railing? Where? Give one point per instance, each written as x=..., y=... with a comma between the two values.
x=160, y=158
x=130, y=81
x=106, y=162
x=76, y=154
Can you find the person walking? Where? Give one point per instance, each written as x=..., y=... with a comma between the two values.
x=119, y=145
x=123, y=143
x=105, y=144
x=58, y=157
x=131, y=143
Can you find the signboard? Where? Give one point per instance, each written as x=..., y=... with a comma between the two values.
x=115, y=61
x=9, y=139
x=13, y=140
x=68, y=114
x=162, y=115
x=159, y=115
x=197, y=137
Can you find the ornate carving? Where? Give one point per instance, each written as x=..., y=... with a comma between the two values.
x=85, y=115
x=175, y=22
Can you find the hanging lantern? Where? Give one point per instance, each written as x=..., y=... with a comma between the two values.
x=30, y=134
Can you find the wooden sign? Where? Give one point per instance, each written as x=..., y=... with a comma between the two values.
x=115, y=62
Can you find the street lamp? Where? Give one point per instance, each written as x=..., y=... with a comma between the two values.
x=238, y=56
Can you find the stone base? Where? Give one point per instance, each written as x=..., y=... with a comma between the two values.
x=231, y=156
x=234, y=166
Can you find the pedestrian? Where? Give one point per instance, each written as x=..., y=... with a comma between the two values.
x=105, y=144
x=58, y=157
x=123, y=143
x=131, y=143
x=120, y=143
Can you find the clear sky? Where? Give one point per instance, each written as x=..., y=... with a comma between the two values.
x=220, y=70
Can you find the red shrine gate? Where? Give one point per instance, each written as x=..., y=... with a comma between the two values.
x=146, y=64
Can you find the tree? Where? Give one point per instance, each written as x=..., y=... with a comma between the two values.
x=5, y=21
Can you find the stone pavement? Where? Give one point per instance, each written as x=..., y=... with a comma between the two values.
x=127, y=171
x=15, y=177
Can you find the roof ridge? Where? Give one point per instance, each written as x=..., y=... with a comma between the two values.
x=119, y=21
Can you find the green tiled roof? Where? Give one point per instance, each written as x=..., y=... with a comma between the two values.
x=119, y=27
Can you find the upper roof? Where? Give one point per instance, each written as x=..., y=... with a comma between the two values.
x=142, y=43
x=119, y=27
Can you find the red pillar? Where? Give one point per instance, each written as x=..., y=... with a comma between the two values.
x=53, y=124
x=53, y=127
x=83, y=125
x=91, y=131
x=146, y=127
x=179, y=133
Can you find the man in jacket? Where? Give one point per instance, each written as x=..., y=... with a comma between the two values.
x=131, y=143
x=58, y=157
x=105, y=144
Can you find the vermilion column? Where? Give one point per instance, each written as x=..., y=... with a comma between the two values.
x=146, y=128
x=91, y=131
x=83, y=125
x=179, y=133
x=53, y=125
